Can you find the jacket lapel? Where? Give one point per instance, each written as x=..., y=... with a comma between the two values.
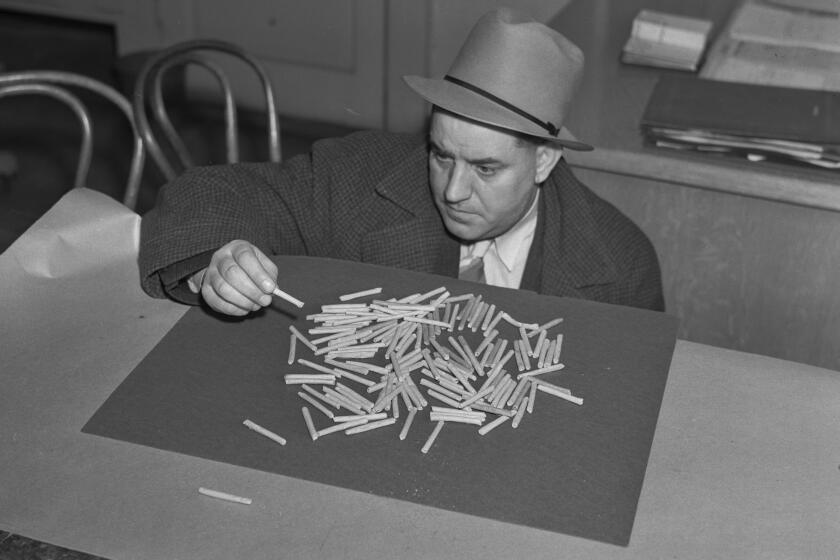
x=416, y=238
x=568, y=253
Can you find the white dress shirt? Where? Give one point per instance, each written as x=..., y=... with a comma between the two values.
x=505, y=255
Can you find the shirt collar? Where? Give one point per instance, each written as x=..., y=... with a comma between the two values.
x=509, y=245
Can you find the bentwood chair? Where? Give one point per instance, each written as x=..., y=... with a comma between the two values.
x=54, y=84
x=148, y=91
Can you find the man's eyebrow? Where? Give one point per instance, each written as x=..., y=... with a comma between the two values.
x=480, y=161
x=433, y=146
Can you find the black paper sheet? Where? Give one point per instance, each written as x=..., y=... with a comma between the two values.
x=572, y=469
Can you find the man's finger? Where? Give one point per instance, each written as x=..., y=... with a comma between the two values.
x=252, y=261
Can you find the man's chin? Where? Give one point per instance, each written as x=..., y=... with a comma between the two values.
x=465, y=232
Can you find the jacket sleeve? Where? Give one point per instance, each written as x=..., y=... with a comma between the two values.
x=304, y=206
x=207, y=207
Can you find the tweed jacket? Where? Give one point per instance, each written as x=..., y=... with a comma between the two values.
x=366, y=197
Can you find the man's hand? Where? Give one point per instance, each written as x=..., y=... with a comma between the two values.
x=239, y=279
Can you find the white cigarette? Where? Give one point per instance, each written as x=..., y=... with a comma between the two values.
x=537, y=348
x=224, y=496
x=519, y=413
x=541, y=371
x=427, y=322
x=546, y=326
x=497, y=422
x=407, y=424
x=309, y=379
x=368, y=417
x=363, y=293
x=307, y=418
x=293, y=300
x=370, y=426
x=432, y=437
x=302, y=338
x=292, y=344
x=552, y=390
x=531, y=398
x=327, y=412
x=557, y=349
x=443, y=417
x=263, y=432
x=488, y=317
x=315, y=366
x=429, y=294
x=340, y=427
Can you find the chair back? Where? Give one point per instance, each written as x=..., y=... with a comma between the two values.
x=148, y=92
x=52, y=83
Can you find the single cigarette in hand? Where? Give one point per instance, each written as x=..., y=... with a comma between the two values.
x=293, y=300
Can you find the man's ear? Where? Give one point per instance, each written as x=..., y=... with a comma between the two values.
x=547, y=154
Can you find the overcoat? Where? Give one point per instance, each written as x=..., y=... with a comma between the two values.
x=366, y=197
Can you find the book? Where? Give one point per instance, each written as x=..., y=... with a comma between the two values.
x=666, y=40
x=749, y=120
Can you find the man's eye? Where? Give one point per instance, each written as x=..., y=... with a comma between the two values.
x=485, y=170
x=438, y=156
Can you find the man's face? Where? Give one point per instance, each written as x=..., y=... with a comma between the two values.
x=483, y=180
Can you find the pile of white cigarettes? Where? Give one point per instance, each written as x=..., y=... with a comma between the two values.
x=420, y=333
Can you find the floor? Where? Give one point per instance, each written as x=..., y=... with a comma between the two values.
x=40, y=137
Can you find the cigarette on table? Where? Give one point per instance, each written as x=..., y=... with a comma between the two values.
x=224, y=496
x=292, y=343
x=557, y=349
x=546, y=326
x=307, y=418
x=557, y=392
x=291, y=299
x=432, y=437
x=264, y=432
x=370, y=426
x=327, y=412
x=540, y=371
x=309, y=379
x=519, y=414
x=340, y=427
x=531, y=398
x=495, y=423
x=302, y=338
x=363, y=293
x=369, y=417
x=407, y=425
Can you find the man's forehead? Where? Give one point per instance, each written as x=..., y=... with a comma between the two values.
x=454, y=133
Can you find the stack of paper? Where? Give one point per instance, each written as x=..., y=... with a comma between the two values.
x=752, y=121
x=791, y=43
x=667, y=41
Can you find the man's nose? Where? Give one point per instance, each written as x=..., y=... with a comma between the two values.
x=458, y=188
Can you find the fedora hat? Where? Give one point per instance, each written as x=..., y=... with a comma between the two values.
x=514, y=73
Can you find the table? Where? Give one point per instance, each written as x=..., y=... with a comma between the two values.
x=745, y=461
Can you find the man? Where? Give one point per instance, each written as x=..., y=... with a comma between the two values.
x=486, y=195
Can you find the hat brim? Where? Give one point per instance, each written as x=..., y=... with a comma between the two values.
x=466, y=103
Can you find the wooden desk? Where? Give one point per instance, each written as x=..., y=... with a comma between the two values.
x=744, y=462
x=748, y=250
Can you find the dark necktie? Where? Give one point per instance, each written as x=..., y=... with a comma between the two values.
x=473, y=271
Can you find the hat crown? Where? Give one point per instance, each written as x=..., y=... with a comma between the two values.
x=522, y=62
x=512, y=73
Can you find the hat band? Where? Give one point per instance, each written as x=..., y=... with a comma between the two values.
x=553, y=130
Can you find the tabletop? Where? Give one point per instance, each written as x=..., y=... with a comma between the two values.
x=745, y=460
